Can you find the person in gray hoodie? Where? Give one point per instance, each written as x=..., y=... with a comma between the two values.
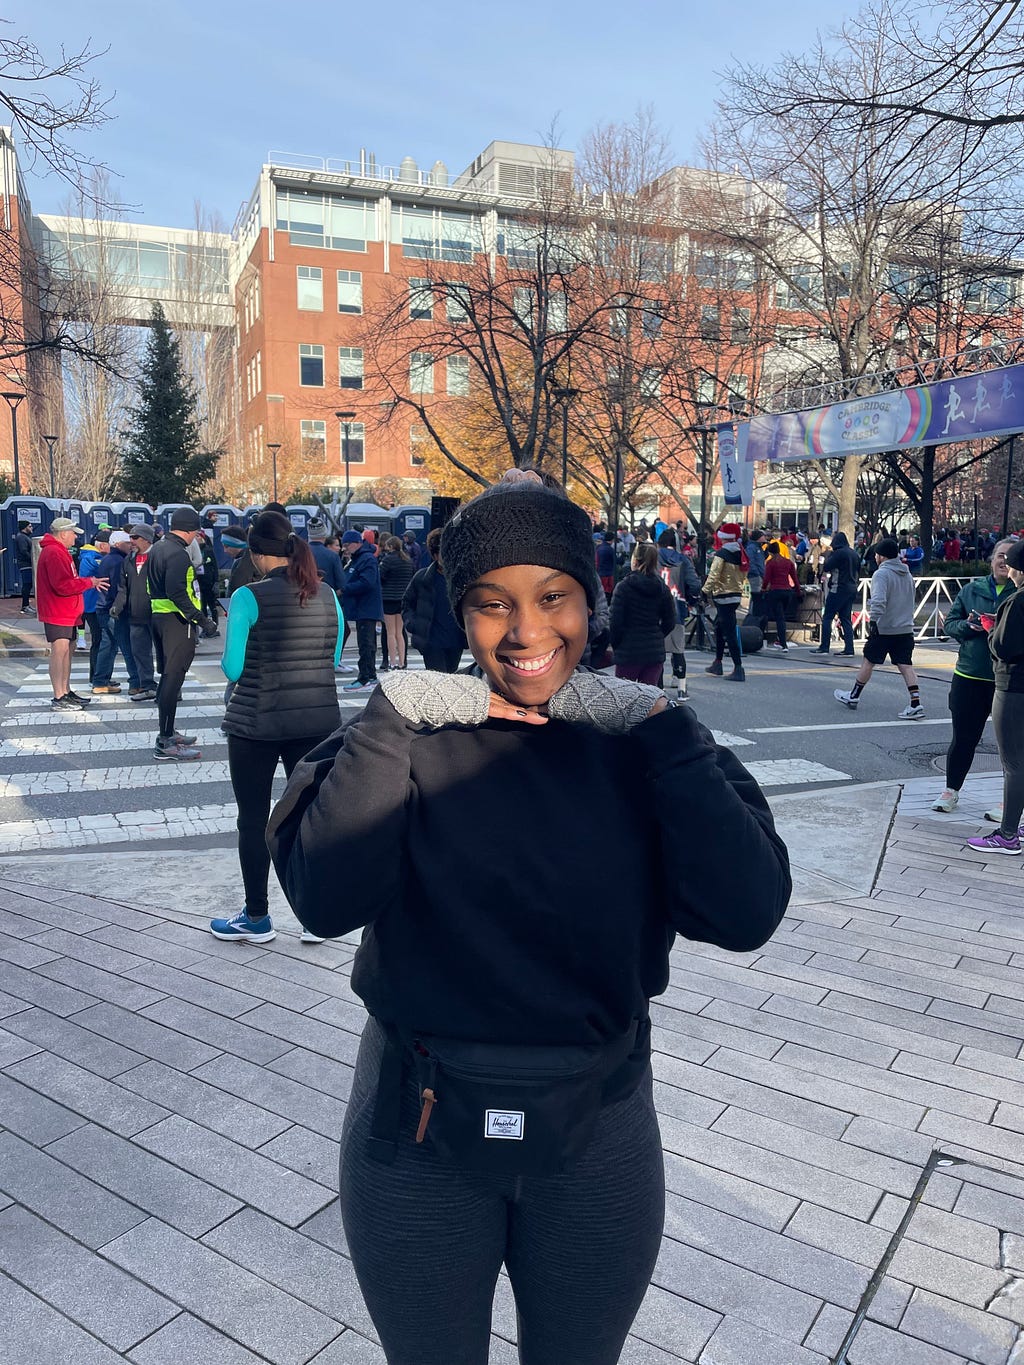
x=891, y=633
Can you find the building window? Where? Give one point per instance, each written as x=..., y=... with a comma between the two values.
x=522, y=304
x=650, y=382
x=618, y=320
x=310, y=288
x=417, y=445
x=356, y=442
x=558, y=311
x=421, y=372
x=706, y=391
x=456, y=301
x=458, y=376
x=739, y=331
x=253, y=377
x=739, y=388
x=313, y=437
x=311, y=367
x=350, y=367
x=434, y=234
x=338, y=221
x=421, y=300
x=651, y=322
x=709, y=323
x=648, y=450
x=350, y=291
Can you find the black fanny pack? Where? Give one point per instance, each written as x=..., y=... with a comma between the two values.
x=502, y=1109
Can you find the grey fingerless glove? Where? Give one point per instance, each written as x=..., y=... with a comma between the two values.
x=613, y=705
x=437, y=699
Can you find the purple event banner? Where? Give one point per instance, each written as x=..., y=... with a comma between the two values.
x=968, y=408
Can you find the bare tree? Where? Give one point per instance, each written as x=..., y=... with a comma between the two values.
x=968, y=68
x=843, y=201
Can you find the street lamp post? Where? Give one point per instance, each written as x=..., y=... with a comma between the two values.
x=51, y=441
x=345, y=418
x=13, y=399
x=274, y=447
x=565, y=396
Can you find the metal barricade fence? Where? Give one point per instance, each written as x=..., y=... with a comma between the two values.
x=933, y=599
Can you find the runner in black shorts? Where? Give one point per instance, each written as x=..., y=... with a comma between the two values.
x=891, y=635
x=899, y=649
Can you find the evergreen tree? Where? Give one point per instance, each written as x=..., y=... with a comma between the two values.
x=161, y=461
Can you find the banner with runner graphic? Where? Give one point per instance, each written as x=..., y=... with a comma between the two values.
x=735, y=469
x=986, y=404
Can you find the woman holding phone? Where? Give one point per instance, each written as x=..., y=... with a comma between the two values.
x=1006, y=645
x=972, y=686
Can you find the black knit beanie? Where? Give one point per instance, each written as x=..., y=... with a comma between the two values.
x=517, y=523
x=271, y=534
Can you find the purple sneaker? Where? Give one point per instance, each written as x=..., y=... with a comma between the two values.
x=997, y=843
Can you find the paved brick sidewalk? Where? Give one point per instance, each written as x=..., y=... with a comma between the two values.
x=170, y=1108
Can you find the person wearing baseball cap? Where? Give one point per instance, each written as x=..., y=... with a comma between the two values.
x=59, y=599
x=177, y=619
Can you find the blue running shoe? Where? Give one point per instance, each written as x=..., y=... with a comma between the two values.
x=357, y=686
x=242, y=927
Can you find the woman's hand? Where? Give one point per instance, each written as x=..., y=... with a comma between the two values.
x=438, y=699
x=613, y=705
x=500, y=709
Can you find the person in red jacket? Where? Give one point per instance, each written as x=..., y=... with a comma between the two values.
x=777, y=588
x=59, y=592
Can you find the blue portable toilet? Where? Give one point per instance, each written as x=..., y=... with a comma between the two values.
x=98, y=514
x=131, y=513
x=414, y=519
x=78, y=510
x=39, y=512
x=300, y=515
x=369, y=516
x=166, y=510
x=218, y=516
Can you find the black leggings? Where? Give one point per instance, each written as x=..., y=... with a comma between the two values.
x=970, y=705
x=774, y=603
x=1008, y=720
x=252, y=764
x=175, y=641
x=428, y=1240
x=727, y=633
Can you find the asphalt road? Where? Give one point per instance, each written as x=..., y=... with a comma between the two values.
x=787, y=708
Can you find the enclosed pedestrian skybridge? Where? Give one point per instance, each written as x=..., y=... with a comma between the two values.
x=90, y=265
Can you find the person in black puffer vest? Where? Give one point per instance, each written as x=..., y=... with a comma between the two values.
x=283, y=643
x=643, y=612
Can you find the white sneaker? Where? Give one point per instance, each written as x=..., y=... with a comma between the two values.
x=775, y=645
x=846, y=699
x=995, y=815
x=947, y=802
x=307, y=937
x=912, y=712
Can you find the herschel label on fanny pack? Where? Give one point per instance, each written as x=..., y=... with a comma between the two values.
x=504, y=1123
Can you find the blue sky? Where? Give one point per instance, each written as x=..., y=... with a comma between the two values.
x=202, y=91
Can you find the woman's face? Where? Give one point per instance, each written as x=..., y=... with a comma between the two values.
x=527, y=629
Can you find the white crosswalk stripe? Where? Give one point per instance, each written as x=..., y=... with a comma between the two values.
x=77, y=779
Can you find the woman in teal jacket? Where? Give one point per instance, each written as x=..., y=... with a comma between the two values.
x=972, y=687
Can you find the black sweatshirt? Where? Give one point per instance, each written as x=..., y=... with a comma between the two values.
x=525, y=883
x=1006, y=643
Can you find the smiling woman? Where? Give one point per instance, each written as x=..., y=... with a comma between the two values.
x=502, y=1109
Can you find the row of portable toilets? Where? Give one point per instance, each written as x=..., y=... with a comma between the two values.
x=39, y=512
